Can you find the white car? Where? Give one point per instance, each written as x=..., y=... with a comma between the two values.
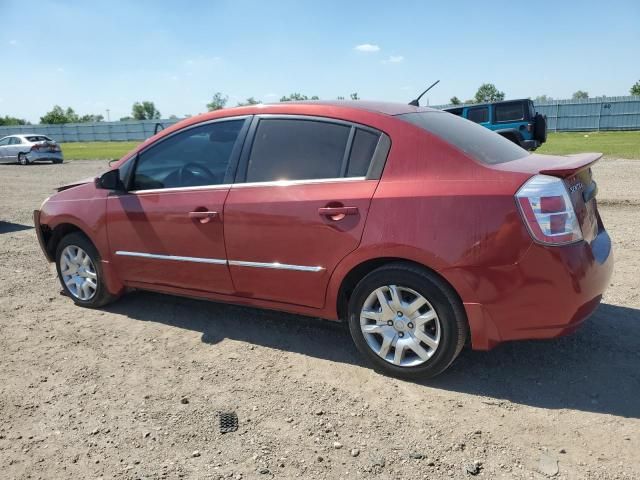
x=29, y=148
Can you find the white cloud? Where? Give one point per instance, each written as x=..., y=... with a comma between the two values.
x=367, y=47
x=60, y=69
x=13, y=42
x=396, y=59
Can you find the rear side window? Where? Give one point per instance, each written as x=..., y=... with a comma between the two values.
x=478, y=115
x=38, y=138
x=362, y=150
x=475, y=140
x=15, y=141
x=297, y=150
x=509, y=112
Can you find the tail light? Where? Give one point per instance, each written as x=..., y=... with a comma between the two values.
x=547, y=211
x=529, y=127
x=35, y=148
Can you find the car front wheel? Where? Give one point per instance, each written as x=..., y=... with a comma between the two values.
x=407, y=321
x=80, y=271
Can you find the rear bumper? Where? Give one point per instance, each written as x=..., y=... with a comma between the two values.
x=45, y=157
x=549, y=293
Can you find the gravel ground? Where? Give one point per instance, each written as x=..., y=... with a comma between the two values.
x=133, y=390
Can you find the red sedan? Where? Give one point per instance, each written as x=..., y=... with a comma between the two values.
x=424, y=231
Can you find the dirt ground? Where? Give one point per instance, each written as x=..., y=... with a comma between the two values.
x=132, y=391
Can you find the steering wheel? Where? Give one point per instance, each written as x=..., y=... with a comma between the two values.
x=200, y=172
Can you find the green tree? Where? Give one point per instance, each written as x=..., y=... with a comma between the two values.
x=354, y=96
x=294, y=97
x=144, y=111
x=249, y=101
x=124, y=119
x=91, y=118
x=340, y=97
x=218, y=102
x=488, y=93
x=59, y=115
x=580, y=94
x=7, y=120
x=542, y=98
x=635, y=89
x=455, y=101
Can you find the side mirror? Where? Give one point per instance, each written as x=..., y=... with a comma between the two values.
x=110, y=181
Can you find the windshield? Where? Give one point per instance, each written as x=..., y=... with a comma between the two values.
x=473, y=139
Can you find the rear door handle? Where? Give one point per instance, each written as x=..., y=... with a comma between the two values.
x=337, y=213
x=203, y=216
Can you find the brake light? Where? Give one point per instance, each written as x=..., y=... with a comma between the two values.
x=529, y=127
x=547, y=211
x=35, y=148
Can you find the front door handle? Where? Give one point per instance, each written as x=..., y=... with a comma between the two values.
x=204, y=216
x=337, y=213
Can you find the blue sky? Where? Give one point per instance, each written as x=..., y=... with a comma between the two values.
x=107, y=54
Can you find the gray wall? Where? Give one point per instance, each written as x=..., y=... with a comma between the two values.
x=605, y=113
x=92, y=132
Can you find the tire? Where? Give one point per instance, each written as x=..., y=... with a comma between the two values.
x=540, y=128
x=57, y=162
x=449, y=327
x=22, y=159
x=92, y=270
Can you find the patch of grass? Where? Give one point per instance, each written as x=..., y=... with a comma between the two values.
x=612, y=144
x=96, y=150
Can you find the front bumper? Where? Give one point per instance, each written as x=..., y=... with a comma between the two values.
x=45, y=157
x=530, y=144
x=547, y=294
x=40, y=234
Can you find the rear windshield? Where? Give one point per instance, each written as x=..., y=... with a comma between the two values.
x=473, y=139
x=38, y=138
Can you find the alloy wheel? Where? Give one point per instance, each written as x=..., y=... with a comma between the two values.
x=400, y=325
x=78, y=273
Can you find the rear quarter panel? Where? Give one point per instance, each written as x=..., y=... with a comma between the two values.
x=438, y=207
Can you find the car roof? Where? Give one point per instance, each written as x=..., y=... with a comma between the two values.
x=386, y=108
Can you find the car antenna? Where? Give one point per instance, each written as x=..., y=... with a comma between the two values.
x=416, y=102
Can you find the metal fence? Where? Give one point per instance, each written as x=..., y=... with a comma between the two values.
x=604, y=113
x=92, y=132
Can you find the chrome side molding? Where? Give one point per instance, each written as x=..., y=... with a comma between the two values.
x=219, y=261
x=176, y=258
x=276, y=266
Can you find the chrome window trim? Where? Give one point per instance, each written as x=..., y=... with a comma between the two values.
x=214, y=186
x=219, y=261
x=216, y=261
x=275, y=266
x=287, y=183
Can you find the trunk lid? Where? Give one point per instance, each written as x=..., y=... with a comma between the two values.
x=575, y=170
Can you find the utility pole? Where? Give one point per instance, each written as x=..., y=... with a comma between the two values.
x=108, y=117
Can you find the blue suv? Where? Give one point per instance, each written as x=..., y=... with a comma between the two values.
x=516, y=120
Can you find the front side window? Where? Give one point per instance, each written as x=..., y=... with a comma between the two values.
x=5, y=141
x=296, y=149
x=195, y=157
x=509, y=112
x=15, y=141
x=478, y=115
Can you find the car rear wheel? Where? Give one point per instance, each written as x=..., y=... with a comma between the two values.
x=22, y=159
x=406, y=321
x=80, y=271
